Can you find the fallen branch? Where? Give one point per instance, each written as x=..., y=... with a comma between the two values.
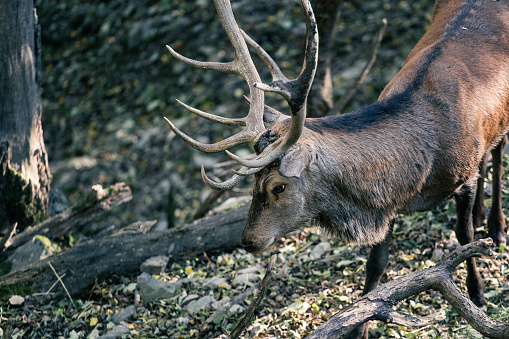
x=123, y=254
x=377, y=304
x=76, y=217
x=244, y=321
x=6, y=240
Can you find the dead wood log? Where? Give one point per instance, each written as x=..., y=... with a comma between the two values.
x=123, y=254
x=76, y=217
x=377, y=305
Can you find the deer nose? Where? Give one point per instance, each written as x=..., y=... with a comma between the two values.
x=247, y=245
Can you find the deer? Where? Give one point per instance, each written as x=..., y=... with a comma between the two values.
x=425, y=140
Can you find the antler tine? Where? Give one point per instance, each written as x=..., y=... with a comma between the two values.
x=225, y=67
x=237, y=139
x=221, y=186
x=294, y=91
x=230, y=183
x=213, y=117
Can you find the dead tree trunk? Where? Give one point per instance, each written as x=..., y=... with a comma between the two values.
x=123, y=254
x=24, y=172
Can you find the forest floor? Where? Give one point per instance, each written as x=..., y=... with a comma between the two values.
x=315, y=276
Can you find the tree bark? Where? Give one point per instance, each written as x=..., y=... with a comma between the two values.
x=123, y=254
x=24, y=171
x=320, y=97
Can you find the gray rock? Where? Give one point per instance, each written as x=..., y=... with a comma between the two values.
x=437, y=254
x=242, y=279
x=28, y=253
x=200, y=304
x=252, y=269
x=319, y=250
x=183, y=320
x=184, y=281
x=154, y=265
x=116, y=332
x=189, y=298
x=216, y=305
x=124, y=315
x=216, y=281
x=452, y=243
x=248, y=274
x=58, y=202
x=94, y=334
x=236, y=308
x=152, y=289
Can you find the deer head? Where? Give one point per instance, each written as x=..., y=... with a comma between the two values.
x=280, y=158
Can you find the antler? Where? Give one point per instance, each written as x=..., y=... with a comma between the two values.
x=294, y=91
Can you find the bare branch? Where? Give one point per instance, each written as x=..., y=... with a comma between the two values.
x=376, y=305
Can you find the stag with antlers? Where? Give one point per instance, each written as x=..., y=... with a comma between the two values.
x=422, y=142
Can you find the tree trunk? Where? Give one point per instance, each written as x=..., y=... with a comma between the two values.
x=24, y=172
x=320, y=96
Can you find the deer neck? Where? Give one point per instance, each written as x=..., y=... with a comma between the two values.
x=379, y=166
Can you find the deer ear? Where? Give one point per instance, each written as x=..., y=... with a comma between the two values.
x=295, y=161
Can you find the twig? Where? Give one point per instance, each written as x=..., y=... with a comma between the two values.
x=244, y=321
x=351, y=92
x=52, y=286
x=376, y=305
x=61, y=282
x=236, y=300
x=6, y=240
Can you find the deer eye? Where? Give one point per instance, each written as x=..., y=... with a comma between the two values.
x=278, y=189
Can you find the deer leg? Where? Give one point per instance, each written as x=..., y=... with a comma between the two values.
x=479, y=212
x=377, y=261
x=496, y=218
x=465, y=234
x=375, y=267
